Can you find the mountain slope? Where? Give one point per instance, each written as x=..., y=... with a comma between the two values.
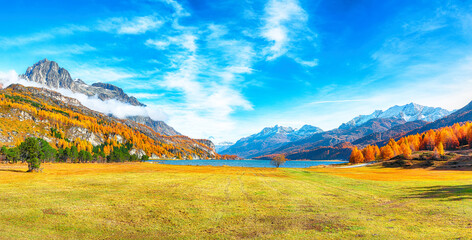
x=409, y=112
x=268, y=139
x=50, y=74
x=462, y=115
x=337, y=136
x=28, y=111
x=158, y=126
x=394, y=132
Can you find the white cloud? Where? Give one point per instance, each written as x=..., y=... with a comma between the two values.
x=147, y=95
x=311, y=63
x=179, y=11
x=137, y=25
x=207, y=86
x=186, y=41
x=283, y=21
x=63, y=50
x=6, y=42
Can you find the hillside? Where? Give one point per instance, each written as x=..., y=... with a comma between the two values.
x=394, y=132
x=429, y=146
x=64, y=122
x=49, y=74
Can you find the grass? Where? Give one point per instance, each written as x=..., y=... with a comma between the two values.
x=152, y=201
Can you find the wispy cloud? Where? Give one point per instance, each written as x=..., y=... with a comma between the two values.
x=339, y=101
x=186, y=41
x=64, y=50
x=100, y=74
x=208, y=67
x=147, y=95
x=311, y=63
x=7, y=42
x=283, y=20
x=136, y=25
x=179, y=11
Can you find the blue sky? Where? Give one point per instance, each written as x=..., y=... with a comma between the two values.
x=226, y=69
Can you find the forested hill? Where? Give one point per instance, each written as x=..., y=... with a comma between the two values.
x=64, y=123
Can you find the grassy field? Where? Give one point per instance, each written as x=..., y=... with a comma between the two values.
x=149, y=201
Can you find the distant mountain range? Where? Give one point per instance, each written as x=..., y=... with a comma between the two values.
x=409, y=112
x=220, y=147
x=50, y=74
x=268, y=139
x=362, y=130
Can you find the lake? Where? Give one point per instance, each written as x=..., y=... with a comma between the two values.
x=246, y=163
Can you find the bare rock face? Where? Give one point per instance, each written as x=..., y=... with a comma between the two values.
x=138, y=152
x=114, y=92
x=49, y=73
x=158, y=126
x=85, y=134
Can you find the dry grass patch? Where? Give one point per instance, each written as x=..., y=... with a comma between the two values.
x=396, y=174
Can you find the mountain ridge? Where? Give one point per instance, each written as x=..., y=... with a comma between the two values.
x=268, y=139
x=50, y=74
x=409, y=112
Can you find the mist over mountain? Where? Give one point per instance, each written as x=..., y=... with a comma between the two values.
x=103, y=97
x=49, y=73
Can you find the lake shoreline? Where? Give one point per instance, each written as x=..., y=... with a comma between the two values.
x=249, y=163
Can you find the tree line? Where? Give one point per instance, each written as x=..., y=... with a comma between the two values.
x=34, y=151
x=447, y=138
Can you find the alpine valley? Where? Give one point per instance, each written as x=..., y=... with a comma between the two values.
x=312, y=143
x=65, y=123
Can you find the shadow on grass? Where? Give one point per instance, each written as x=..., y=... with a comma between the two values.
x=444, y=193
x=12, y=170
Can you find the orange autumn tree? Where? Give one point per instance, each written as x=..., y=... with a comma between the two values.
x=438, y=140
x=387, y=152
x=356, y=156
x=369, y=153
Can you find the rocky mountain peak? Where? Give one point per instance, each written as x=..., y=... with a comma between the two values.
x=108, y=86
x=409, y=112
x=309, y=129
x=268, y=139
x=50, y=74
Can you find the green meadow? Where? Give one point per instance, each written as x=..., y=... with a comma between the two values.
x=152, y=201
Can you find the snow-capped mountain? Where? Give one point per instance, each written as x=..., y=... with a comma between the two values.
x=269, y=139
x=409, y=112
x=219, y=147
